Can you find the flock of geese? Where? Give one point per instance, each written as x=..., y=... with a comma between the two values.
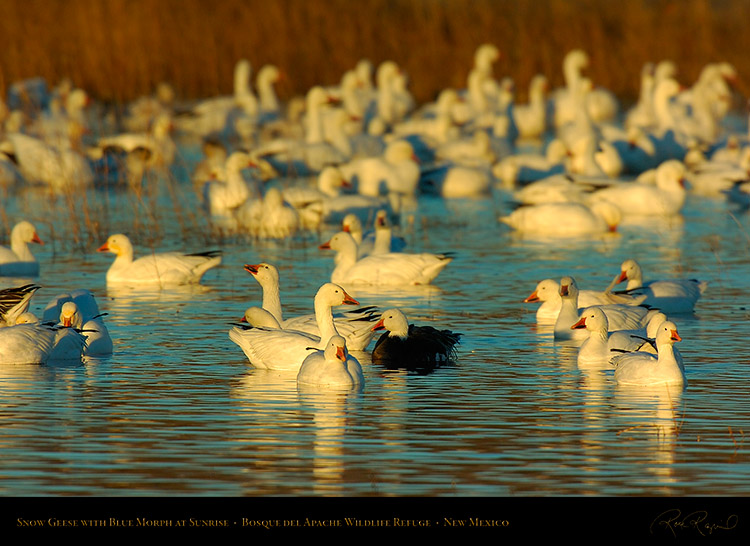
x=358, y=155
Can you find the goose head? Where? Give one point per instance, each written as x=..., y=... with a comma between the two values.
x=592, y=319
x=545, y=290
x=264, y=273
x=70, y=315
x=25, y=232
x=118, y=244
x=333, y=294
x=630, y=270
x=395, y=321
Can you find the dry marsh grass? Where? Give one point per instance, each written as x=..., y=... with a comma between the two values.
x=120, y=49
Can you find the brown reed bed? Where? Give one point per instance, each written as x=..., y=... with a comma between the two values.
x=120, y=49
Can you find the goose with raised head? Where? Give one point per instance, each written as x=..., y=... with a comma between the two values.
x=619, y=316
x=394, y=268
x=672, y=296
x=547, y=292
x=644, y=369
x=601, y=344
x=354, y=325
x=18, y=261
x=162, y=269
x=269, y=217
x=222, y=195
x=282, y=349
x=14, y=302
x=331, y=367
x=368, y=240
x=396, y=170
x=413, y=347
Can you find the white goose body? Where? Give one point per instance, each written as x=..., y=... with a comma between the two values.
x=644, y=369
x=35, y=343
x=564, y=219
x=665, y=198
x=354, y=326
x=331, y=367
x=18, y=261
x=161, y=269
x=282, y=349
x=395, y=268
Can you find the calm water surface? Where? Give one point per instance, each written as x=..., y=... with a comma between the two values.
x=178, y=410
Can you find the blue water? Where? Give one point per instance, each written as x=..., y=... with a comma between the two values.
x=178, y=410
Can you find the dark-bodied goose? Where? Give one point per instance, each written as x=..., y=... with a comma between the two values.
x=413, y=347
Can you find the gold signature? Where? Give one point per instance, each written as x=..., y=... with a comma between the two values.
x=698, y=521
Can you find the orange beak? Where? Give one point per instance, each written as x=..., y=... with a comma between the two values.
x=251, y=268
x=341, y=354
x=580, y=324
x=36, y=239
x=563, y=289
x=533, y=297
x=66, y=322
x=378, y=326
x=325, y=246
x=623, y=277
x=676, y=336
x=348, y=300
x=103, y=248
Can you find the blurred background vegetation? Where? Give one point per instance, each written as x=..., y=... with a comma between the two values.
x=120, y=49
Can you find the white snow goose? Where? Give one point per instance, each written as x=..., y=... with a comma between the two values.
x=646, y=369
x=563, y=220
x=412, y=347
x=331, y=367
x=547, y=292
x=367, y=242
x=601, y=345
x=664, y=198
x=673, y=296
x=619, y=316
x=394, y=268
x=98, y=340
x=161, y=269
x=354, y=326
x=18, y=261
x=35, y=343
x=14, y=302
x=281, y=349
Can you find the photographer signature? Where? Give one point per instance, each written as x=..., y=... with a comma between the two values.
x=674, y=521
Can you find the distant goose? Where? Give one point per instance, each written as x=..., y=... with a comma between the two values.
x=331, y=367
x=645, y=369
x=564, y=219
x=163, y=269
x=14, y=302
x=18, y=261
x=412, y=347
x=393, y=268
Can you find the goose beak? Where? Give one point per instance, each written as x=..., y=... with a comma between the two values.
x=341, y=354
x=533, y=297
x=623, y=277
x=563, y=289
x=251, y=268
x=243, y=319
x=349, y=300
x=378, y=326
x=580, y=324
x=676, y=336
x=103, y=248
x=36, y=239
x=325, y=246
x=66, y=322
